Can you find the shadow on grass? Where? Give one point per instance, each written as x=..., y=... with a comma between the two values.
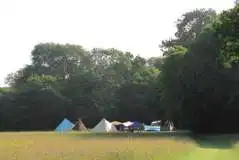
x=216, y=141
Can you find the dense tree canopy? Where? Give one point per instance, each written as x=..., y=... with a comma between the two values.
x=200, y=81
x=68, y=81
x=195, y=84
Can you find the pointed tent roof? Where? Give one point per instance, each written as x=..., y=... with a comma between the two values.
x=65, y=125
x=79, y=126
x=104, y=126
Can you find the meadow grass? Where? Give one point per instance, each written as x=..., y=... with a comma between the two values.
x=89, y=146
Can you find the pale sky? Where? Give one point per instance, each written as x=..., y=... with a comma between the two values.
x=137, y=26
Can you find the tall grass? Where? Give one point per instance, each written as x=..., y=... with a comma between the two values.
x=86, y=146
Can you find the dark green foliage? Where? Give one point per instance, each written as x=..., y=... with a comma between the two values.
x=67, y=81
x=200, y=87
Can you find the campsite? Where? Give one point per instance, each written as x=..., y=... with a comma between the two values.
x=104, y=126
x=105, y=142
x=119, y=80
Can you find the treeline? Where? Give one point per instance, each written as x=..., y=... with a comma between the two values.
x=195, y=83
x=68, y=81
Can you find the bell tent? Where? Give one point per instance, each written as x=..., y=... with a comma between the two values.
x=104, y=126
x=65, y=125
x=79, y=126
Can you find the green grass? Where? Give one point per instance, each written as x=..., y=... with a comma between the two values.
x=89, y=146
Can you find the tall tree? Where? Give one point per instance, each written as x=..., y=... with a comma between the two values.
x=194, y=91
x=189, y=26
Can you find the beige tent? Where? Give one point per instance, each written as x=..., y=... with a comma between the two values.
x=116, y=123
x=119, y=125
x=79, y=126
x=104, y=126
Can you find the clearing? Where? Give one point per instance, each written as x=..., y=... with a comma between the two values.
x=89, y=146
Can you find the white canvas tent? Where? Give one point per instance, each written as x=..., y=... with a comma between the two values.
x=104, y=126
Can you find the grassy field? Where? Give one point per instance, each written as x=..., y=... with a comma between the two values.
x=85, y=146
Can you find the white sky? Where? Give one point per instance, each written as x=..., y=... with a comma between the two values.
x=137, y=26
